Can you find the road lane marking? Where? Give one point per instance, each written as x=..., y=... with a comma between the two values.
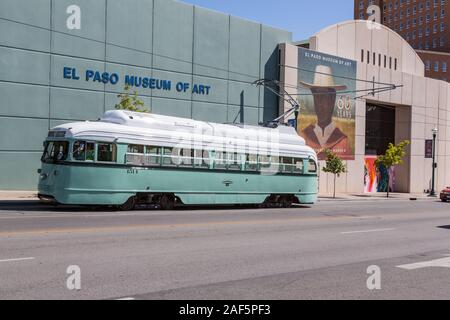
x=437, y=263
x=17, y=260
x=126, y=299
x=368, y=231
x=171, y=226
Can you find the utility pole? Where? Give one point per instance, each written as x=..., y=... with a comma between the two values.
x=433, y=178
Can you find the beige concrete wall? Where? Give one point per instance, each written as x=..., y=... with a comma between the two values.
x=421, y=104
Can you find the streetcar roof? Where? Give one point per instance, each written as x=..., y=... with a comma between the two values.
x=144, y=128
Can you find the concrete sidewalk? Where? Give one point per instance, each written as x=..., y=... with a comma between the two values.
x=376, y=196
x=18, y=196
x=32, y=196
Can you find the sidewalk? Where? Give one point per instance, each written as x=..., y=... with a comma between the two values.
x=376, y=197
x=18, y=196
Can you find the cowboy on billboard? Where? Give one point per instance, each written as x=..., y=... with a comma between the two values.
x=324, y=133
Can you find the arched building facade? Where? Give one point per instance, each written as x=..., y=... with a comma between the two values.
x=409, y=112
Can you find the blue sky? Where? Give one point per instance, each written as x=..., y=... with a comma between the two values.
x=302, y=17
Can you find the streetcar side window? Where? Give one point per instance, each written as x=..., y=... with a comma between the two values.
x=251, y=163
x=167, y=156
x=83, y=151
x=205, y=161
x=90, y=151
x=286, y=166
x=220, y=161
x=153, y=155
x=186, y=157
x=106, y=152
x=264, y=161
x=201, y=159
x=79, y=151
x=312, y=167
x=233, y=160
x=134, y=148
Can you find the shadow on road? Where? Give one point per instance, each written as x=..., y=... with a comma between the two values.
x=30, y=206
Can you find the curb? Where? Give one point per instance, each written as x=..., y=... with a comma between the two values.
x=376, y=199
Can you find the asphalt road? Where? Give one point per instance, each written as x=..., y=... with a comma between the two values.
x=318, y=252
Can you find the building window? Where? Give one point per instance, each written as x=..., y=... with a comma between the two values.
x=436, y=66
x=444, y=66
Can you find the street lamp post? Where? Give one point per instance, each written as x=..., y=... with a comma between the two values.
x=433, y=191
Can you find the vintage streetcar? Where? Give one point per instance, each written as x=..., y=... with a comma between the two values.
x=127, y=158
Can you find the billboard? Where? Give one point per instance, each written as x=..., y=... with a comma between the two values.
x=326, y=95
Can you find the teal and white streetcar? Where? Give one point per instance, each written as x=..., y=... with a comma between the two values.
x=127, y=158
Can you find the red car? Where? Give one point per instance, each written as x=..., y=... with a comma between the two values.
x=445, y=194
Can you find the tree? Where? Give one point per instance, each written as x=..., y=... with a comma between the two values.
x=130, y=101
x=334, y=165
x=394, y=156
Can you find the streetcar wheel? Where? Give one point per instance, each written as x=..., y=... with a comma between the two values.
x=286, y=201
x=128, y=205
x=167, y=202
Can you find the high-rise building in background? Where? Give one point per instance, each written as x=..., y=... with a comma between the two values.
x=424, y=24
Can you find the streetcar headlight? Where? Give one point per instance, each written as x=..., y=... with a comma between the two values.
x=43, y=176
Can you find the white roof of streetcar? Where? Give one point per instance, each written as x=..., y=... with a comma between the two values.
x=151, y=129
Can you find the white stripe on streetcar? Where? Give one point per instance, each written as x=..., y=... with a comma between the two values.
x=368, y=231
x=16, y=260
x=125, y=299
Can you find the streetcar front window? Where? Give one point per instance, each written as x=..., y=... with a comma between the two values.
x=312, y=166
x=55, y=151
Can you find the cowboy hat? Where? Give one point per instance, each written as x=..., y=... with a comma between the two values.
x=323, y=78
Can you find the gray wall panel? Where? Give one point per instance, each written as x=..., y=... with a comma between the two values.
x=129, y=24
x=245, y=47
x=173, y=34
x=129, y=32
x=24, y=36
x=171, y=107
x=209, y=112
x=24, y=134
x=36, y=12
x=19, y=170
x=123, y=55
x=22, y=100
x=24, y=66
x=76, y=104
x=211, y=41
